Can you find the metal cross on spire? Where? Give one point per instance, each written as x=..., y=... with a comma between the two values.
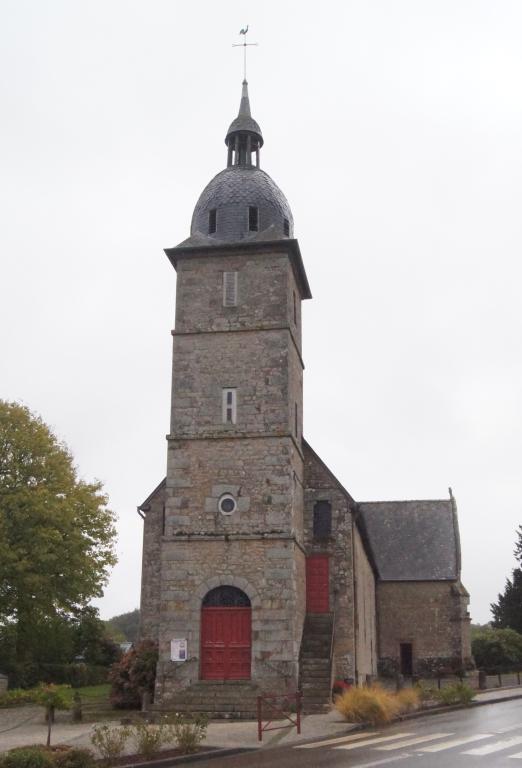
x=244, y=45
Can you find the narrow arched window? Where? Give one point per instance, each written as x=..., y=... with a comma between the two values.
x=212, y=221
x=322, y=519
x=286, y=227
x=253, y=218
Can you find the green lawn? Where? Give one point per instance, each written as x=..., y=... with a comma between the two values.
x=96, y=704
x=92, y=695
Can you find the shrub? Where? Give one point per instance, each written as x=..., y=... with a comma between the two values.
x=74, y=758
x=408, y=699
x=110, y=742
x=148, y=739
x=189, y=731
x=17, y=697
x=51, y=697
x=368, y=705
x=426, y=692
x=27, y=757
x=459, y=693
x=134, y=675
x=497, y=650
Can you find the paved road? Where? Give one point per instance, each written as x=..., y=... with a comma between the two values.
x=486, y=737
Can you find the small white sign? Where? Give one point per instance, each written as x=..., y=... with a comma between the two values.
x=178, y=649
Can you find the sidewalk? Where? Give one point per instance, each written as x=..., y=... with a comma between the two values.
x=25, y=725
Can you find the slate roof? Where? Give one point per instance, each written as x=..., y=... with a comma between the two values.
x=413, y=540
x=231, y=192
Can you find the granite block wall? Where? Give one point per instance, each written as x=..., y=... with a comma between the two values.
x=432, y=616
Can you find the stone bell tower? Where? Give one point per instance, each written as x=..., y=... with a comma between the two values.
x=225, y=566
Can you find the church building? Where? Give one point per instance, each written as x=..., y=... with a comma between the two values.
x=261, y=573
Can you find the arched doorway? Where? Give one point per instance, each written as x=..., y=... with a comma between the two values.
x=226, y=634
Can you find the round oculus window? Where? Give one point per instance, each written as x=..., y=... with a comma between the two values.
x=227, y=504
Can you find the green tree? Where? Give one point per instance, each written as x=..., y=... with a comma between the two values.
x=56, y=532
x=125, y=626
x=91, y=639
x=507, y=611
x=497, y=650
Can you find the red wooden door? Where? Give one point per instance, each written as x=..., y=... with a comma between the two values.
x=317, y=584
x=226, y=643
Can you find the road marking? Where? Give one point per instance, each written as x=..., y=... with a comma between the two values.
x=456, y=742
x=371, y=742
x=393, y=759
x=518, y=756
x=417, y=740
x=495, y=747
x=508, y=728
x=339, y=740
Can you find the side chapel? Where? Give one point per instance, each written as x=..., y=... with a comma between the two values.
x=257, y=563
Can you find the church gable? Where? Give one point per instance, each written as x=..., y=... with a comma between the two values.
x=157, y=496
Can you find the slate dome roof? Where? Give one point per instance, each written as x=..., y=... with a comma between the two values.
x=230, y=194
x=245, y=123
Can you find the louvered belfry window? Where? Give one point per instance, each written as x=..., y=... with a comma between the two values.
x=229, y=289
x=229, y=406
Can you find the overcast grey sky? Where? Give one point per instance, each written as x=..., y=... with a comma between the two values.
x=394, y=129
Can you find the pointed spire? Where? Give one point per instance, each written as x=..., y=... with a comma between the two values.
x=244, y=107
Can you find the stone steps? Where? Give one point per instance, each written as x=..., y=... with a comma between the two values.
x=314, y=663
x=229, y=700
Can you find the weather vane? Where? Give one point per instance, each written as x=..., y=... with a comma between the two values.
x=244, y=45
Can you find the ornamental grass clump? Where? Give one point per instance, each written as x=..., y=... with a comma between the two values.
x=371, y=705
x=408, y=699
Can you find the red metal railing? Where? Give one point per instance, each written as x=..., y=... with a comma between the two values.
x=280, y=707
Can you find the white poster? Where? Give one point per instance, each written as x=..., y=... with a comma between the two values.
x=178, y=649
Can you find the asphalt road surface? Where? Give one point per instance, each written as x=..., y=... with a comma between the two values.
x=489, y=736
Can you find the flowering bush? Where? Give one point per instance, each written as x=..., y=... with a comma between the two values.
x=134, y=675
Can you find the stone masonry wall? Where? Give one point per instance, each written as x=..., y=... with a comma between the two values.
x=266, y=569
x=256, y=363
x=365, y=625
x=320, y=485
x=258, y=472
x=431, y=616
x=252, y=347
x=265, y=293
x=151, y=566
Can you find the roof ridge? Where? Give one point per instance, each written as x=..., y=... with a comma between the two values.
x=404, y=501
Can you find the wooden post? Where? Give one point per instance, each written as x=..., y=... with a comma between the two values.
x=77, y=715
x=259, y=715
